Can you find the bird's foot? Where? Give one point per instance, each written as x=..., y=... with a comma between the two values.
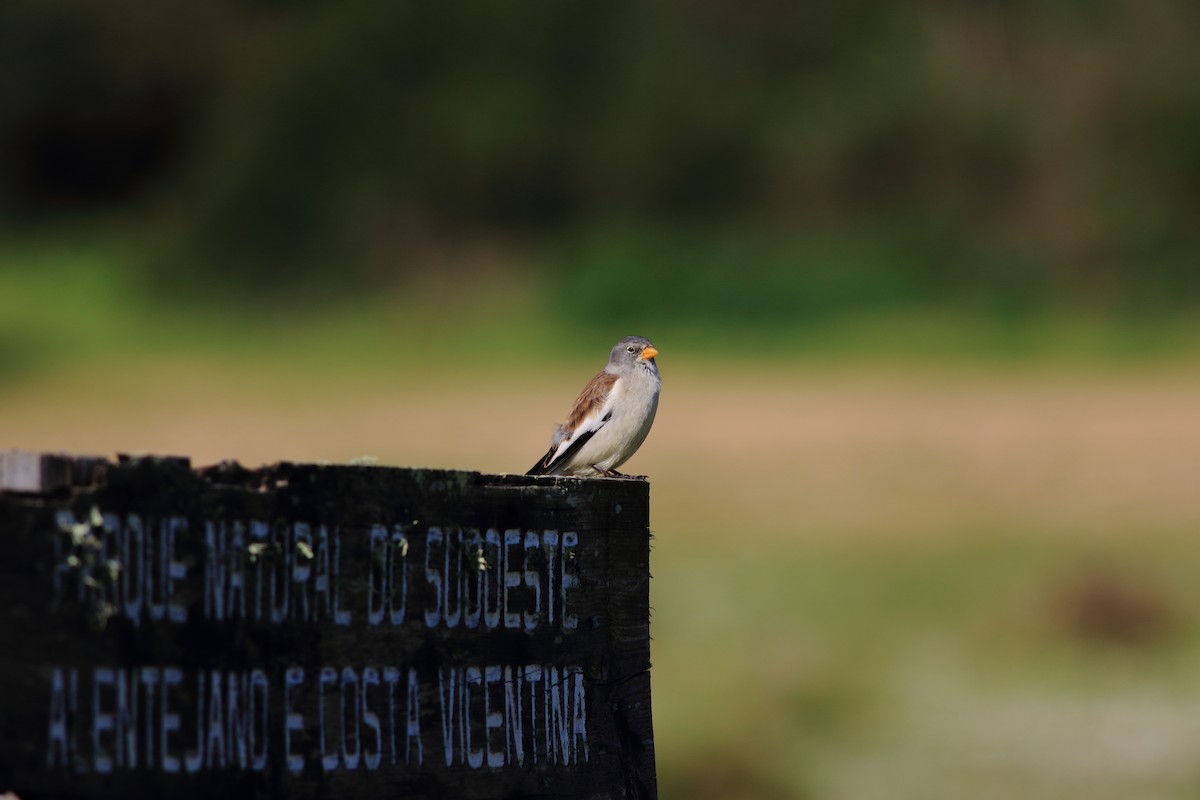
x=607, y=473
x=612, y=473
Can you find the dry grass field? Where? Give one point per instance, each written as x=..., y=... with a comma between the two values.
x=816, y=454
x=869, y=582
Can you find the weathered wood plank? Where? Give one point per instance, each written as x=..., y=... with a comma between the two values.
x=43, y=473
x=317, y=631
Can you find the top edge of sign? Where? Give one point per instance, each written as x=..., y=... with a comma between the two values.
x=33, y=472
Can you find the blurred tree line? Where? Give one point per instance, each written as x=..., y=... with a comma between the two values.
x=822, y=153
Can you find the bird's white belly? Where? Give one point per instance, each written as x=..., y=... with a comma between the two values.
x=621, y=436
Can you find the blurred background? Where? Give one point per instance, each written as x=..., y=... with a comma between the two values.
x=925, y=281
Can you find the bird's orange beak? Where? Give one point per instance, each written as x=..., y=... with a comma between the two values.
x=648, y=354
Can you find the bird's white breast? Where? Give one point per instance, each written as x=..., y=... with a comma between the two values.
x=634, y=402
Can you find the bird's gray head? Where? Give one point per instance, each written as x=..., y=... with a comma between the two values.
x=631, y=352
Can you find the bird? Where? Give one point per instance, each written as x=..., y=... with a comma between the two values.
x=611, y=416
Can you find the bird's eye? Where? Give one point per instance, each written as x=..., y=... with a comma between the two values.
x=631, y=349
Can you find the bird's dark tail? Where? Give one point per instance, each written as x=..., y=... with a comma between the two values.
x=543, y=464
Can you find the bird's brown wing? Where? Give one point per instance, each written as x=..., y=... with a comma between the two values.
x=588, y=406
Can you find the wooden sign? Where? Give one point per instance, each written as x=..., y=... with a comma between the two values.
x=320, y=631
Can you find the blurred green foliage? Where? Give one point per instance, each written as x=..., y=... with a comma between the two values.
x=765, y=159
